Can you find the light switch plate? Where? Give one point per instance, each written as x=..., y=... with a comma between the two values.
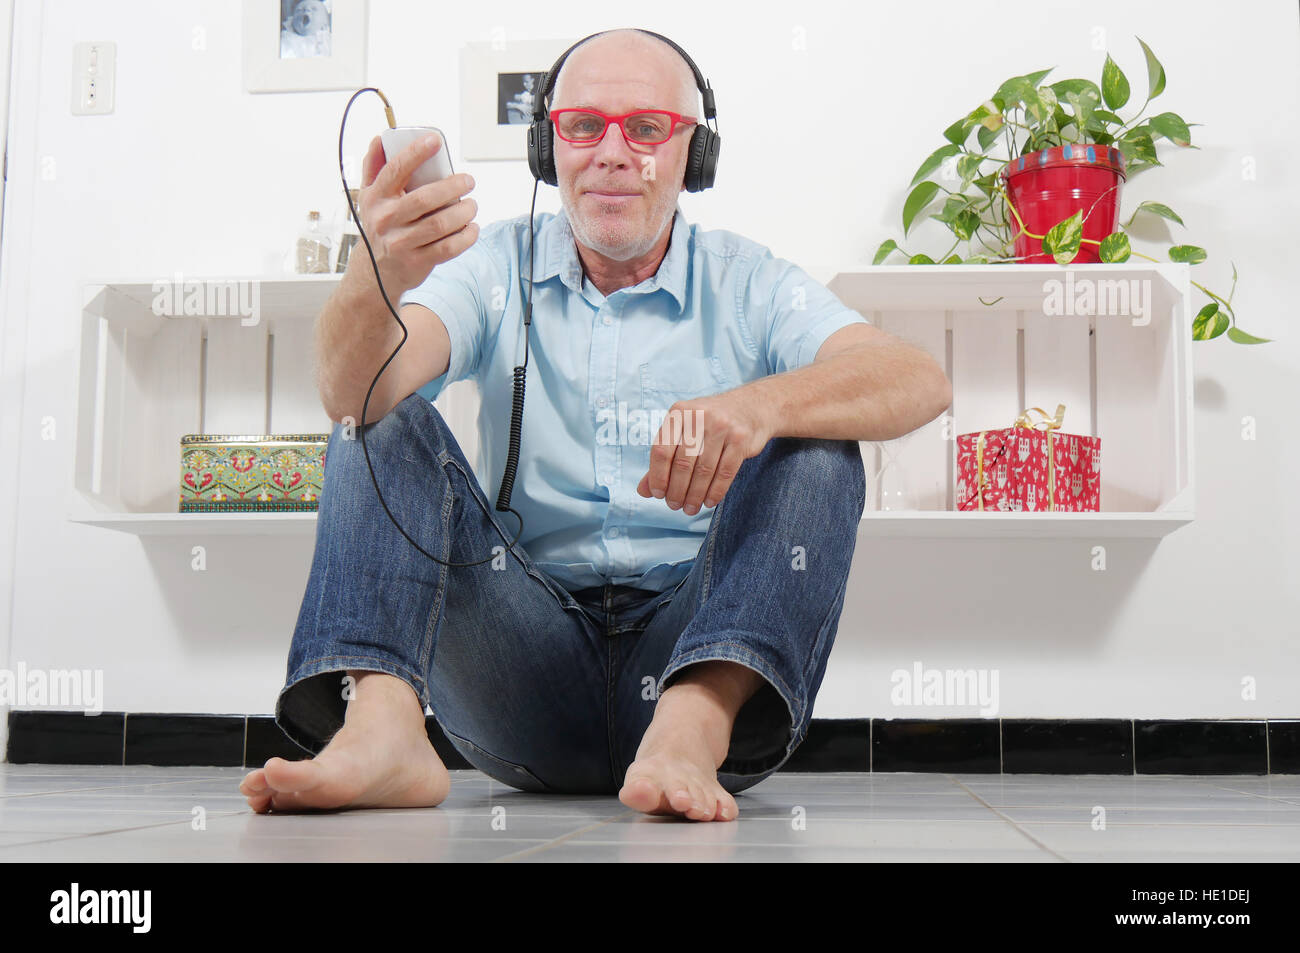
x=94, y=70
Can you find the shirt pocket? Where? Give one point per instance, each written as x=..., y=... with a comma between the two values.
x=668, y=380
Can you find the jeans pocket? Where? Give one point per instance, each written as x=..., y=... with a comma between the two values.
x=515, y=775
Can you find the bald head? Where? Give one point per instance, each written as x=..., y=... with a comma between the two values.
x=619, y=54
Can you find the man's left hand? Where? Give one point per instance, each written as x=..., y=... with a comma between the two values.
x=700, y=446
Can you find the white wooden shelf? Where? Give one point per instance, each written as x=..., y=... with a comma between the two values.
x=1126, y=378
x=146, y=379
x=922, y=524
x=188, y=524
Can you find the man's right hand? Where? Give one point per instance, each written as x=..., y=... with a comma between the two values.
x=411, y=232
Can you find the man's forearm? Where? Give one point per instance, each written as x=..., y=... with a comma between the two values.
x=355, y=333
x=867, y=392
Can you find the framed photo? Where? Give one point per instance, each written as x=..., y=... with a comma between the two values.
x=498, y=83
x=298, y=45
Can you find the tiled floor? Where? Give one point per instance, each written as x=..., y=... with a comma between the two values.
x=75, y=813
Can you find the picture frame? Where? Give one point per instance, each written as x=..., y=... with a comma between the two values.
x=496, y=104
x=304, y=45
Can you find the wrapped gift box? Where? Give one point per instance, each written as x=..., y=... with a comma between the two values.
x=222, y=473
x=1024, y=468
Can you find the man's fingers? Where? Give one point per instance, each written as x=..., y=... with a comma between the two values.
x=706, y=463
x=661, y=458
x=447, y=220
x=434, y=196
x=447, y=248
x=679, y=477
x=728, y=465
x=372, y=163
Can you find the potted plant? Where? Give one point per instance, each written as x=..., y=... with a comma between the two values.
x=1043, y=181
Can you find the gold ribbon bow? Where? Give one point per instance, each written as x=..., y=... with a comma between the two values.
x=1050, y=424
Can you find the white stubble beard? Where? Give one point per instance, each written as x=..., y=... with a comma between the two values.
x=629, y=248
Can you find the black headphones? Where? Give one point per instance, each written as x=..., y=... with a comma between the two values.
x=702, y=157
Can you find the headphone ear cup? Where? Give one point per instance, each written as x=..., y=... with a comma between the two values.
x=534, y=165
x=547, y=138
x=541, y=156
x=695, y=159
x=709, y=169
x=702, y=159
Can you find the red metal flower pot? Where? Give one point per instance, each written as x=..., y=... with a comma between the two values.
x=1049, y=186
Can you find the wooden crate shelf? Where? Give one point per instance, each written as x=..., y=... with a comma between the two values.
x=146, y=379
x=1125, y=377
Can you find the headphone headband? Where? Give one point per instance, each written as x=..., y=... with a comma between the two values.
x=702, y=153
x=553, y=74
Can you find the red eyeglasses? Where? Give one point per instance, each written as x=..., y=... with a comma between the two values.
x=646, y=127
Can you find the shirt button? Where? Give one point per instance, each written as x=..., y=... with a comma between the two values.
x=607, y=320
x=601, y=402
x=613, y=531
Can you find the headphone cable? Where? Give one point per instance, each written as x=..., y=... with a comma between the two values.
x=517, y=411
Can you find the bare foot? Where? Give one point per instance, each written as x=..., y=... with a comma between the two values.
x=676, y=766
x=381, y=757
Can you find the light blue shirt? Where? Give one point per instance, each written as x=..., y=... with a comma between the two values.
x=602, y=373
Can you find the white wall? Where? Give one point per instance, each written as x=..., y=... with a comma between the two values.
x=191, y=174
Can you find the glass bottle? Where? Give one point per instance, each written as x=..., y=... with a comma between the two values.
x=350, y=235
x=313, y=247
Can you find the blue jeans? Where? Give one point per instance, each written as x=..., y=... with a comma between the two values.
x=547, y=690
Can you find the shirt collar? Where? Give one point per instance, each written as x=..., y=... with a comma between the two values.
x=559, y=256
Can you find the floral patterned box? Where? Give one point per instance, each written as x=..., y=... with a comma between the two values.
x=280, y=473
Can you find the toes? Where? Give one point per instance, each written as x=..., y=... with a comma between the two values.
x=289, y=801
x=681, y=790
x=681, y=800
x=283, y=776
x=260, y=803
x=254, y=783
x=704, y=805
x=641, y=794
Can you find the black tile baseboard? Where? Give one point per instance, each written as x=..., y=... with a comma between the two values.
x=1284, y=747
x=833, y=745
x=1104, y=746
x=1201, y=747
x=66, y=737
x=265, y=741
x=966, y=745
x=180, y=740
x=976, y=746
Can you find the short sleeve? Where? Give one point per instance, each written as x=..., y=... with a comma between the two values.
x=790, y=314
x=454, y=290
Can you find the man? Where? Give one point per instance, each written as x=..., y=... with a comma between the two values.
x=631, y=642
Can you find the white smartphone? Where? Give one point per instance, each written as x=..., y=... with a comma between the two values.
x=431, y=170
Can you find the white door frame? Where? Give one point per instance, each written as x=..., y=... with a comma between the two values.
x=13, y=340
x=6, y=44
